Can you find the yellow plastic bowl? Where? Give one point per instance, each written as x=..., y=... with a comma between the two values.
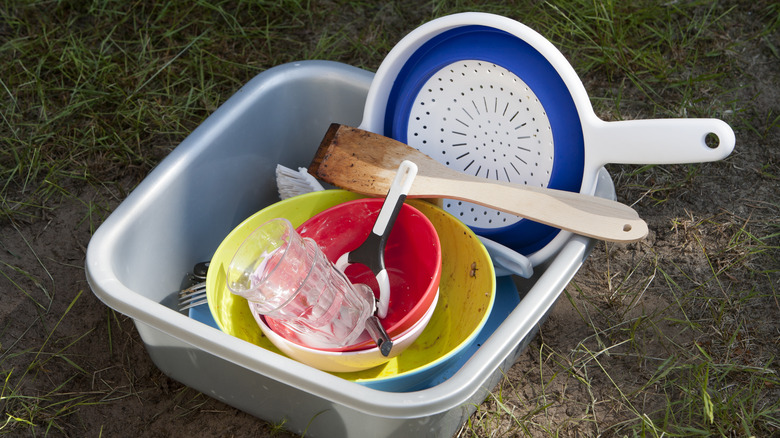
x=466, y=292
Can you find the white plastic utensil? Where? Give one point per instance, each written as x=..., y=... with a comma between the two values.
x=371, y=252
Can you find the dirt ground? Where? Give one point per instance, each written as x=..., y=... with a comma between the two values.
x=93, y=358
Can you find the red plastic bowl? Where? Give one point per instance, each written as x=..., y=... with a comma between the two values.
x=412, y=258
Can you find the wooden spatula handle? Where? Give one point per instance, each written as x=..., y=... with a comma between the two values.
x=365, y=162
x=588, y=216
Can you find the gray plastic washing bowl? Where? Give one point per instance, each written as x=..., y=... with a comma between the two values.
x=221, y=174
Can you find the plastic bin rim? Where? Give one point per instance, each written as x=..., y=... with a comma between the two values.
x=442, y=397
x=445, y=396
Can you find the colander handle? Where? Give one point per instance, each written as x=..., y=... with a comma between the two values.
x=657, y=141
x=507, y=261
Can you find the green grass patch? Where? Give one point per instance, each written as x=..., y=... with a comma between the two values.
x=95, y=94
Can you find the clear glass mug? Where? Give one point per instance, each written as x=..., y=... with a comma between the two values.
x=291, y=280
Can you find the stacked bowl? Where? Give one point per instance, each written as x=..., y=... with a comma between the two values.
x=441, y=294
x=412, y=256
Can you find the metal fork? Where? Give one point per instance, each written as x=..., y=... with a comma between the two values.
x=195, y=295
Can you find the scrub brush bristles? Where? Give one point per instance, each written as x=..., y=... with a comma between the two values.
x=291, y=182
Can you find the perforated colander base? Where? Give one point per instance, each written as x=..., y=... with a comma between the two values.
x=481, y=119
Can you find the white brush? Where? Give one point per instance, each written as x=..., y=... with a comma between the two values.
x=505, y=261
x=291, y=183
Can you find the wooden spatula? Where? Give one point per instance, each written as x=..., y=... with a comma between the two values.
x=366, y=163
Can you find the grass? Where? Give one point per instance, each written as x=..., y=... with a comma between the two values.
x=95, y=94
x=705, y=362
x=42, y=411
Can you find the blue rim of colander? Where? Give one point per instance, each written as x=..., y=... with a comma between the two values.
x=487, y=44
